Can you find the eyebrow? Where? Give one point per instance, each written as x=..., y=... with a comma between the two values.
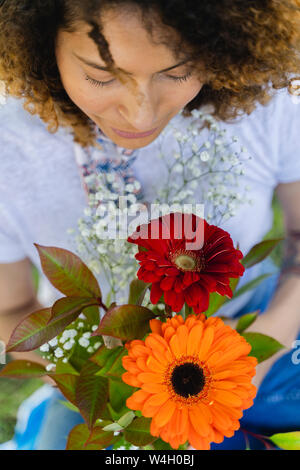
x=106, y=69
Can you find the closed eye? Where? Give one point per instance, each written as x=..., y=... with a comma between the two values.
x=98, y=83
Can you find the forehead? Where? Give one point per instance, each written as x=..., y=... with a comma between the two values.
x=132, y=43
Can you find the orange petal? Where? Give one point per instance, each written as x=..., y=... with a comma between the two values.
x=155, y=366
x=169, y=332
x=158, y=399
x=194, y=339
x=165, y=413
x=130, y=379
x=182, y=335
x=174, y=346
x=206, y=343
x=153, y=388
x=149, y=377
x=137, y=399
x=199, y=421
x=155, y=326
x=196, y=441
x=226, y=397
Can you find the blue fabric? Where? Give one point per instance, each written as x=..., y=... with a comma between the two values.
x=277, y=404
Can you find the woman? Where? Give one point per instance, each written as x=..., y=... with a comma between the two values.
x=118, y=73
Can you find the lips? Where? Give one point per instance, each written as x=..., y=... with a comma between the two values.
x=133, y=135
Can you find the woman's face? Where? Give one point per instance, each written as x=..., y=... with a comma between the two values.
x=134, y=113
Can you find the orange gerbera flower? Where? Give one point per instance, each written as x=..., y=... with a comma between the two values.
x=194, y=379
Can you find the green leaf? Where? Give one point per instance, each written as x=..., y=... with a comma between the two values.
x=91, y=393
x=126, y=419
x=35, y=330
x=287, y=440
x=159, y=444
x=92, y=315
x=118, y=394
x=252, y=284
x=259, y=252
x=105, y=358
x=263, y=346
x=70, y=306
x=81, y=438
x=216, y=300
x=113, y=427
x=137, y=291
x=23, y=370
x=65, y=368
x=67, y=272
x=126, y=322
x=245, y=321
x=138, y=432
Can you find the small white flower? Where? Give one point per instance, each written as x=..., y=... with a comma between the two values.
x=69, y=345
x=84, y=342
x=204, y=156
x=58, y=353
x=50, y=367
x=80, y=324
x=82, y=316
x=97, y=345
x=44, y=348
x=86, y=335
x=94, y=327
x=53, y=342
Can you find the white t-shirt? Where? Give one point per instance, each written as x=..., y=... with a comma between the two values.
x=42, y=195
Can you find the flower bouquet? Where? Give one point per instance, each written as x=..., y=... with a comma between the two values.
x=162, y=371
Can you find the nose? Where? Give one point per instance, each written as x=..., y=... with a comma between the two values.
x=138, y=108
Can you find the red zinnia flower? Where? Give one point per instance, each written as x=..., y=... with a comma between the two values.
x=181, y=274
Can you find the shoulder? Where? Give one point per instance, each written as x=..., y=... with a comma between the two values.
x=27, y=147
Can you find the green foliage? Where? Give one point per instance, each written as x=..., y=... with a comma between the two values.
x=126, y=322
x=216, y=300
x=245, y=321
x=263, y=346
x=259, y=252
x=252, y=284
x=37, y=329
x=23, y=370
x=137, y=291
x=83, y=438
x=91, y=393
x=138, y=432
x=67, y=272
x=287, y=441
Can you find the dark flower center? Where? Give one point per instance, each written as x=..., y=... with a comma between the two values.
x=188, y=379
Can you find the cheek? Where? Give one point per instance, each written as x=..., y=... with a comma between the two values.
x=89, y=99
x=180, y=95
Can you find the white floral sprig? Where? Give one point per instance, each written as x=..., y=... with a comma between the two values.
x=204, y=171
x=62, y=346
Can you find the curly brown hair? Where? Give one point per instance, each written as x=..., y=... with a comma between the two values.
x=249, y=47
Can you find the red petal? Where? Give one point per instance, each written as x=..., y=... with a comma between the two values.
x=155, y=293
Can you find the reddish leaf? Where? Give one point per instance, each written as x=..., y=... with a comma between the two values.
x=23, y=370
x=91, y=393
x=259, y=252
x=81, y=438
x=126, y=322
x=67, y=272
x=67, y=385
x=34, y=330
x=66, y=306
